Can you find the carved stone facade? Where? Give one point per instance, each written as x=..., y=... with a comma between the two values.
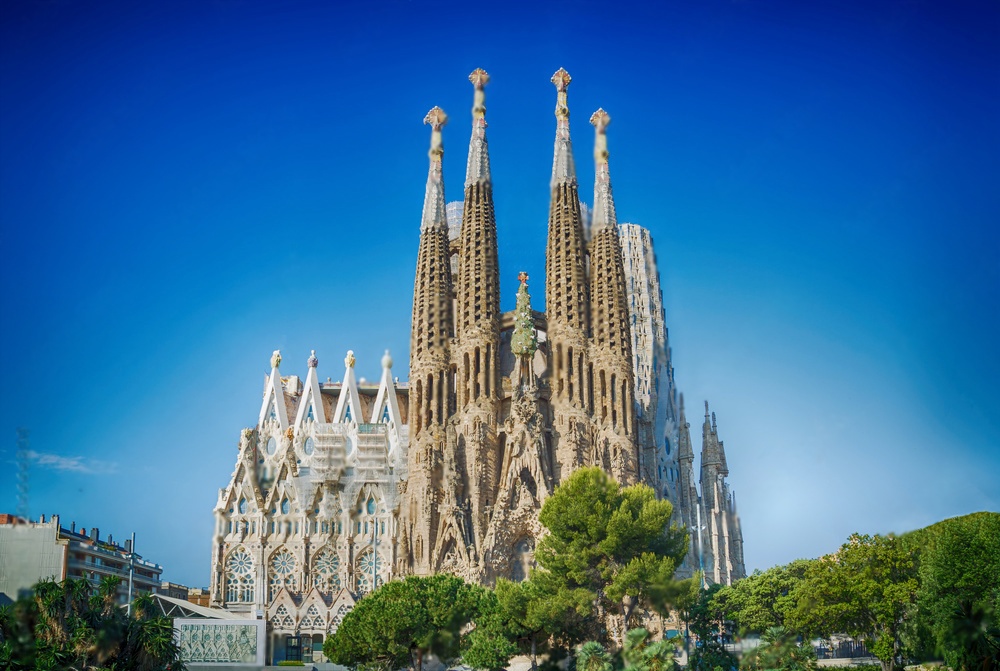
x=449, y=471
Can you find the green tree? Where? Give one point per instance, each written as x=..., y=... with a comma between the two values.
x=615, y=542
x=593, y=657
x=763, y=599
x=706, y=621
x=779, y=651
x=866, y=590
x=959, y=595
x=531, y=613
x=72, y=625
x=640, y=653
x=404, y=621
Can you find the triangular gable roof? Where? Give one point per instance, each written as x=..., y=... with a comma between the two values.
x=274, y=396
x=386, y=399
x=311, y=397
x=349, y=397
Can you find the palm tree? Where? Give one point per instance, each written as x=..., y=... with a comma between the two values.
x=72, y=626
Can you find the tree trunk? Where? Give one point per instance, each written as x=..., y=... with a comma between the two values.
x=534, y=650
x=628, y=607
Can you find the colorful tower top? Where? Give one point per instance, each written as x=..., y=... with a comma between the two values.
x=524, y=340
x=604, y=202
x=434, y=216
x=478, y=167
x=563, y=169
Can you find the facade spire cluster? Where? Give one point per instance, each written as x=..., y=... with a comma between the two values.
x=341, y=486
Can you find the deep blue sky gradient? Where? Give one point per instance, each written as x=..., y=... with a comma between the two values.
x=185, y=187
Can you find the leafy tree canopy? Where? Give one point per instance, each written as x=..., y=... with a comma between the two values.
x=403, y=621
x=959, y=596
x=72, y=625
x=616, y=542
x=764, y=599
x=779, y=651
x=866, y=590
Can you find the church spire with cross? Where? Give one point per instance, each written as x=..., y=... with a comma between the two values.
x=566, y=297
x=430, y=358
x=611, y=339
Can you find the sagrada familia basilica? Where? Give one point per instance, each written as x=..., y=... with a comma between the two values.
x=342, y=486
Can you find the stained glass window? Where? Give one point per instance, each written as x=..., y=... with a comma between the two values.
x=239, y=577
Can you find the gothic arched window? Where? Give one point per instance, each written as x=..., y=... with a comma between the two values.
x=371, y=571
x=239, y=577
x=326, y=572
x=281, y=573
x=243, y=506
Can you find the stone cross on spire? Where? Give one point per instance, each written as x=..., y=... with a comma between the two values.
x=600, y=120
x=434, y=217
x=561, y=79
x=436, y=118
x=478, y=167
x=563, y=169
x=479, y=79
x=604, y=203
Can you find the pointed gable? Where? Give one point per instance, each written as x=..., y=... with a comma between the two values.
x=311, y=407
x=349, y=404
x=273, y=407
x=386, y=407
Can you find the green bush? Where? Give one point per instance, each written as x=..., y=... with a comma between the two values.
x=290, y=662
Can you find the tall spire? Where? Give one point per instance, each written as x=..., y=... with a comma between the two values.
x=604, y=202
x=478, y=167
x=563, y=168
x=434, y=204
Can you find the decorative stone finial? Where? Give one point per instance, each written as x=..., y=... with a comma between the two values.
x=706, y=409
x=561, y=79
x=600, y=120
x=386, y=360
x=436, y=118
x=312, y=362
x=524, y=340
x=349, y=359
x=478, y=167
x=479, y=79
x=276, y=358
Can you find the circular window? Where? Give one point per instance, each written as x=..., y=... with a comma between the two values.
x=272, y=445
x=309, y=446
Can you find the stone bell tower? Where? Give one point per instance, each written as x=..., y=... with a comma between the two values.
x=614, y=447
x=566, y=300
x=430, y=364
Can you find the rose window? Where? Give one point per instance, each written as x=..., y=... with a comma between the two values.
x=282, y=573
x=370, y=573
x=326, y=572
x=239, y=577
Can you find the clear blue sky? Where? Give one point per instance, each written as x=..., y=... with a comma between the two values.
x=185, y=187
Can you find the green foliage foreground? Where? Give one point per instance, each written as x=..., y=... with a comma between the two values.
x=609, y=550
x=930, y=594
x=71, y=625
